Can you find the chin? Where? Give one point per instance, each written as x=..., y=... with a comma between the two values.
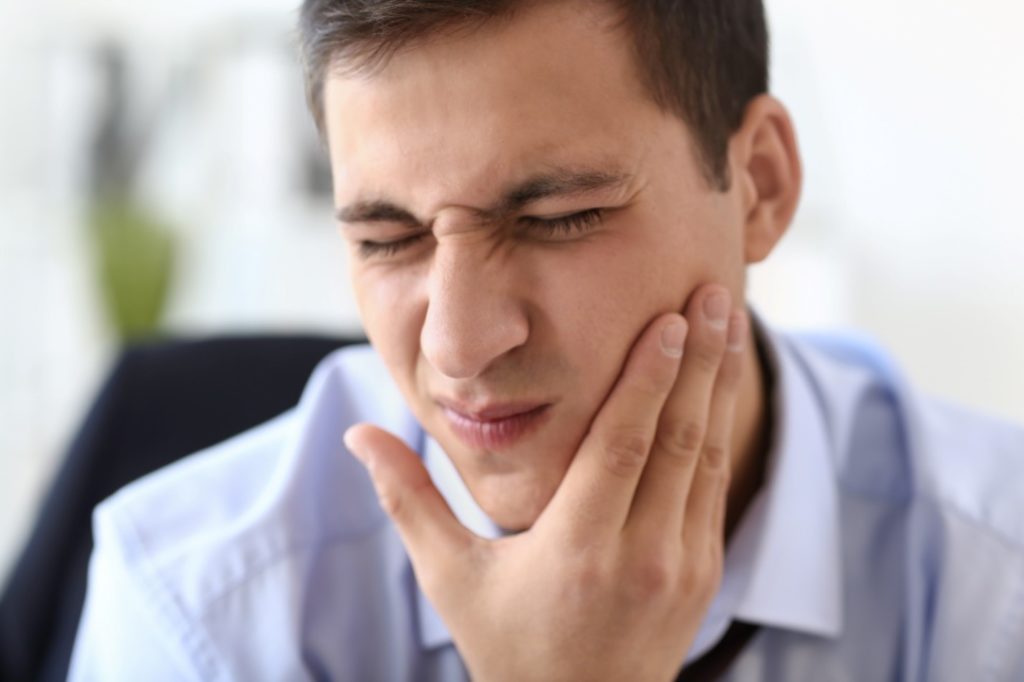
x=513, y=522
x=513, y=505
x=513, y=486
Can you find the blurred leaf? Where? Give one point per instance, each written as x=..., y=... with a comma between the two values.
x=135, y=265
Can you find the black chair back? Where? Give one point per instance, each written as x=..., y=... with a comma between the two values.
x=163, y=400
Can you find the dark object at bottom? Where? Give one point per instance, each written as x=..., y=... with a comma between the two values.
x=162, y=401
x=712, y=665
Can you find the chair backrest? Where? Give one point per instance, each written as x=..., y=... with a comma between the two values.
x=162, y=401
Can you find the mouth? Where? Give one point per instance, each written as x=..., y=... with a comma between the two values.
x=494, y=426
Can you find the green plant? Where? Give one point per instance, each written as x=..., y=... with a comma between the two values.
x=135, y=262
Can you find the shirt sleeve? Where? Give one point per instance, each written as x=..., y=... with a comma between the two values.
x=122, y=634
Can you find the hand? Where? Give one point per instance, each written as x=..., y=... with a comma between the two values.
x=614, y=578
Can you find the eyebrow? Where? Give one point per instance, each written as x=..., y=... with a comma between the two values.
x=557, y=183
x=377, y=211
x=562, y=182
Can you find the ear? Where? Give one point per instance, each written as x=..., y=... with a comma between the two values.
x=767, y=173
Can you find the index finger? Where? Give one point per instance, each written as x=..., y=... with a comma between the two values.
x=597, y=491
x=438, y=545
x=683, y=428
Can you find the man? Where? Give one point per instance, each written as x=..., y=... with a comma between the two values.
x=592, y=464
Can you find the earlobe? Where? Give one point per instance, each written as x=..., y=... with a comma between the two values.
x=769, y=170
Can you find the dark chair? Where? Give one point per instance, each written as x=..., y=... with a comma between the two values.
x=162, y=401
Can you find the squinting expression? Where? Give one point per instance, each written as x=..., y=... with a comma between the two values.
x=518, y=210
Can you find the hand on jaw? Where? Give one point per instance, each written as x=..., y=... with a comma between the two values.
x=614, y=578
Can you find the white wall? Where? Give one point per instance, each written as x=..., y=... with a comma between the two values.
x=910, y=116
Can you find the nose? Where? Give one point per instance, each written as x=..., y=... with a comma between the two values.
x=473, y=314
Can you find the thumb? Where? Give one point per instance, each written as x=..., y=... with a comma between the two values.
x=436, y=541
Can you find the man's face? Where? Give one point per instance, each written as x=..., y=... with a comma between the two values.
x=518, y=210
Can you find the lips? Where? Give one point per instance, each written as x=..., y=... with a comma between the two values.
x=494, y=426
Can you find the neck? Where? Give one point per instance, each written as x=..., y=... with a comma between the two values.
x=752, y=433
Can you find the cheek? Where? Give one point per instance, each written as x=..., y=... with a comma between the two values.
x=612, y=289
x=392, y=309
x=602, y=295
x=599, y=298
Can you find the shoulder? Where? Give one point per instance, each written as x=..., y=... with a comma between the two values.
x=933, y=509
x=893, y=441
x=244, y=483
x=242, y=524
x=975, y=466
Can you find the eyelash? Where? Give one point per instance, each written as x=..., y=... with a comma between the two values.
x=576, y=222
x=565, y=225
x=368, y=249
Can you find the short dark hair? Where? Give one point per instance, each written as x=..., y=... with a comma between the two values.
x=703, y=60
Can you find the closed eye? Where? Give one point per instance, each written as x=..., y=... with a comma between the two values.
x=371, y=249
x=581, y=221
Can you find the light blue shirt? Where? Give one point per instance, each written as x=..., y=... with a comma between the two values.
x=886, y=544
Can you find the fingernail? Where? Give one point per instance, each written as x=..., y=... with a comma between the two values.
x=716, y=310
x=672, y=338
x=737, y=333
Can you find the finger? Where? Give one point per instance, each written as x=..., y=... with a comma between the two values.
x=596, y=493
x=704, y=519
x=683, y=424
x=435, y=540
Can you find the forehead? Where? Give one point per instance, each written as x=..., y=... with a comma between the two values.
x=554, y=85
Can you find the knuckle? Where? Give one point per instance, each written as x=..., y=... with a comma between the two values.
x=655, y=574
x=399, y=502
x=653, y=579
x=707, y=357
x=701, y=580
x=626, y=451
x=650, y=386
x=704, y=576
x=391, y=503
x=685, y=439
x=729, y=374
x=714, y=456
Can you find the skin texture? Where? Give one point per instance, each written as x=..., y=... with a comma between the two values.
x=482, y=303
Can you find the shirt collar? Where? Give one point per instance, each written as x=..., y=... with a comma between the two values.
x=783, y=564
x=792, y=542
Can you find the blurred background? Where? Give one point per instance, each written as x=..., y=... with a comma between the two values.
x=159, y=174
